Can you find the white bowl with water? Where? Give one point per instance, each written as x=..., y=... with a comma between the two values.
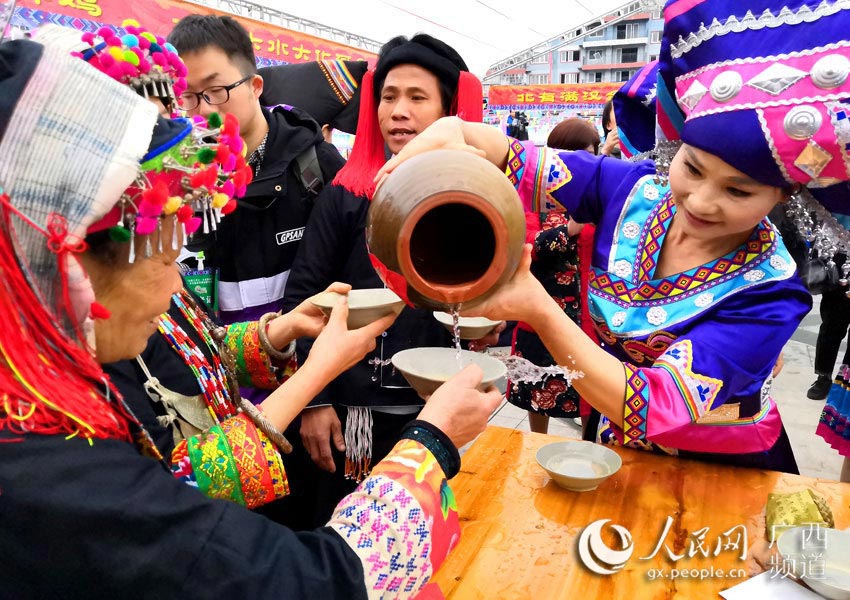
x=578, y=466
x=469, y=328
x=364, y=306
x=798, y=545
x=426, y=369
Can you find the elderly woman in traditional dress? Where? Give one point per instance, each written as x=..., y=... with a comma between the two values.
x=89, y=508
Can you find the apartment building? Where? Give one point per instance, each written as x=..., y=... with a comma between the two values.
x=609, y=48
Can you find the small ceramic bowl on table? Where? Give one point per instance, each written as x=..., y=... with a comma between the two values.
x=577, y=465
x=426, y=369
x=799, y=546
x=364, y=306
x=470, y=328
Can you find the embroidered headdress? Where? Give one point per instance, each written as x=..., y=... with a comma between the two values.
x=194, y=167
x=634, y=108
x=328, y=90
x=367, y=155
x=762, y=86
x=70, y=141
x=766, y=89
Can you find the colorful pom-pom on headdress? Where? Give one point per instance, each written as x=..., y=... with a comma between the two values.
x=140, y=59
x=194, y=170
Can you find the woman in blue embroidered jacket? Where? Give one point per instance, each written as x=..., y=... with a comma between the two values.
x=692, y=292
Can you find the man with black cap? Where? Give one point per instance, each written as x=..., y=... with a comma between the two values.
x=357, y=418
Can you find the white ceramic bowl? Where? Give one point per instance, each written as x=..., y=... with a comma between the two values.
x=578, y=466
x=364, y=306
x=426, y=369
x=471, y=328
x=798, y=545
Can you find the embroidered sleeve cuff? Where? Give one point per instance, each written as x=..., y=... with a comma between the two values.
x=254, y=367
x=232, y=461
x=516, y=162
x=636, y=404
x=404, y=508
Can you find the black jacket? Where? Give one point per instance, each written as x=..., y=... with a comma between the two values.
x=102, y=521
x=255, y=245
x=334, y=249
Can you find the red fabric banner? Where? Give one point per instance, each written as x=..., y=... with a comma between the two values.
x=554, y=96
x=272, y=44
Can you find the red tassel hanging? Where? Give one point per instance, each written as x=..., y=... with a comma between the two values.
x=394, y=281
x=367, y=156
x=48, y=382
x=469, y=100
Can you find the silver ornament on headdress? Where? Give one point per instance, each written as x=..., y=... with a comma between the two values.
x=830, y=71
x=823, y=234
x=802, y=122
x=726, y=86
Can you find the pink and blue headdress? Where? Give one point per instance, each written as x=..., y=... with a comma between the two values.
x=634, y=108
x=763, y=85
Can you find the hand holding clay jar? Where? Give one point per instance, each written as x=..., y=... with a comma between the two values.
x=450, y=224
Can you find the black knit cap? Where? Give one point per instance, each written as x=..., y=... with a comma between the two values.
x=422, y=50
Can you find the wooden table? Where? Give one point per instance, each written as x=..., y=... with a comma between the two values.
x=520, y=530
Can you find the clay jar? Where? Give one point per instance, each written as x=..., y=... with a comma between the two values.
x=451, y=223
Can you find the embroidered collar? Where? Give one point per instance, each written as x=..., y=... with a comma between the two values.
x=640, y=234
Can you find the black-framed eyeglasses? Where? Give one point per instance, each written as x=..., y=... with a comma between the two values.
x=213, y=95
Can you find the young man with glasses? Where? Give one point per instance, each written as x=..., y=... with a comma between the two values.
x=255, y=246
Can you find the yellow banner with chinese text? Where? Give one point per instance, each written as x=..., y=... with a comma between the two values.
x=552, y=96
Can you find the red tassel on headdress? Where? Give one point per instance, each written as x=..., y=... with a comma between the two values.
x=48, y=382
x=367, y=155
x=469, y=99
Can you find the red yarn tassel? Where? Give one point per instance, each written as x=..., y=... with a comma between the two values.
x=394, y=281
x=367, y=155
x=469, y=100
x=49, y=384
